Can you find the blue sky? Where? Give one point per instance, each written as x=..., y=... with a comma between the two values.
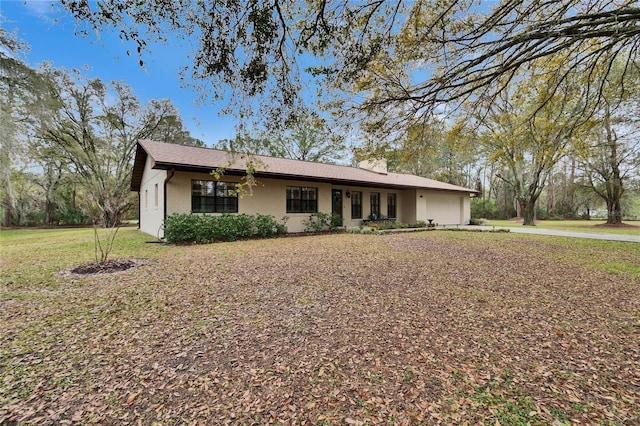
x=107, y=60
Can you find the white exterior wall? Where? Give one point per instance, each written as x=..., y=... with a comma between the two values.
x=152, y=204
x=269, y=197
x=445, y=208
x=466, y=208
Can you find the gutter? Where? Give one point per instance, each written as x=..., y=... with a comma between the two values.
x=172, y=173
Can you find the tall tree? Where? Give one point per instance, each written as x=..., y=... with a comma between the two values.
x=54, y=171
x=171, y=130
x=417, y=150
x=307, y=139
x=97, y=126
x=609, y=156
x=433, y=148
x=21, y=89
x=529, y=131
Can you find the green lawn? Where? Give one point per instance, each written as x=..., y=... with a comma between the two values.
x=421, y=328
x=574, y=225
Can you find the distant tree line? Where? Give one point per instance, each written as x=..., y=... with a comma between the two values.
x=534, y=103
x=68, y=142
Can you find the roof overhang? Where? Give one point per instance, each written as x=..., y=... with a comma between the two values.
x=142, y=155
x=287, y=176
x=138, y=167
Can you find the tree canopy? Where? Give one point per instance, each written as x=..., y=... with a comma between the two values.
x=409, y=56
x=66, y=137
x=307, y=139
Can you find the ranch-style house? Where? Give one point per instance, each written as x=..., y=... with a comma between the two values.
x=172, y=178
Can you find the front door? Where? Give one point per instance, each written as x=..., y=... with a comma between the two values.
x=336, y=205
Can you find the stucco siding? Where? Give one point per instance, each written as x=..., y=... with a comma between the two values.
x=408, y=201
x=465, y=201
x=152, y=200
x=444, y=208
x=268, y=197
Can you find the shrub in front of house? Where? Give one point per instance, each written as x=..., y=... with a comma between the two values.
x=268, y=226
x=187, y=228
x=320, y=221
x=477, y=221
x=183, y=227
x=362, y=230
x=418, y=224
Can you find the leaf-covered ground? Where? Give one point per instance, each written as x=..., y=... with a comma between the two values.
x=423, y=328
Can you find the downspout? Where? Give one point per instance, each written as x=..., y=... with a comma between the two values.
x=172, y=173
x=139, y=207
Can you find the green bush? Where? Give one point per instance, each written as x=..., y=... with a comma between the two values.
x=483, y=208
x=246, y=225
x=71, y=216
x=204, y=229
x=281, y=227
x=226, y=227
x=319, y=222
x=183, y=227
x=267, y=226
x=418, y=224
x=362, y=230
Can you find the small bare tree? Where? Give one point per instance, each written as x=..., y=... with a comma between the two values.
x=98, y=208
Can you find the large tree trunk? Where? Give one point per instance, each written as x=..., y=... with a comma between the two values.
x=7, y=214
x=528, y=209
x=614, y=186
x=49, y=213
x=614, y=212
x=111, y=219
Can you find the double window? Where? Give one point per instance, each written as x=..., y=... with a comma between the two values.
x=302, y=199
x=210, y=196
x=356, y=205
x=375, y=204
x=391, y=206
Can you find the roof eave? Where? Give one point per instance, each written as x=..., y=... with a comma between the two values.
x=304, y=178
x=138, y=167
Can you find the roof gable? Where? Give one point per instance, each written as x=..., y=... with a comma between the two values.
x=180, y=157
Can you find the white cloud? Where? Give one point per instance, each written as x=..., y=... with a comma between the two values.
x=39, y=8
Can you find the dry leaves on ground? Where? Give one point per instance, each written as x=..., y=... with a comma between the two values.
x=429, y=328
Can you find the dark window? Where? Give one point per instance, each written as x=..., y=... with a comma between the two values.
x=302, y=199
x=391, y=206
x=209, y=196
x=375, y=204
x=356, y=205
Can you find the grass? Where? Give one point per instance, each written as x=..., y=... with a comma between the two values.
x=420, y=328
x=573, y=225
x=32, y=256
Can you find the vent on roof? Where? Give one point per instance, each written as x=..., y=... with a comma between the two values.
x=378, y=165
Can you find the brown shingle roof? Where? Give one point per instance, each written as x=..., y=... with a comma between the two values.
x=179, y=157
